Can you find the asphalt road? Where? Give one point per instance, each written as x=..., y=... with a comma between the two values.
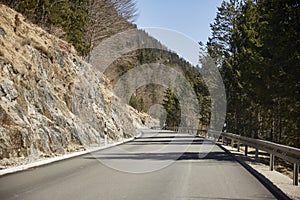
x=156, y=166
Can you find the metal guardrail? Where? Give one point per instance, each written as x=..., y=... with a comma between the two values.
x=287, y=153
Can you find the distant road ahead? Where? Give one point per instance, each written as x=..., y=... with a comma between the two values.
x=180, y=173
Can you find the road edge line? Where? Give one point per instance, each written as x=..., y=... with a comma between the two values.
x=47, y=161
x=277, y=192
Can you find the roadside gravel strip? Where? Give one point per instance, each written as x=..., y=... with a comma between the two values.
x=63, y=157
x=269, y=178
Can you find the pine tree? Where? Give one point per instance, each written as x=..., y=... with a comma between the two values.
x=172, y=106
x=257, y=51
x=222, y=46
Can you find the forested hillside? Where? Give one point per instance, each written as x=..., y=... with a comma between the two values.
x=83, y=23
x=256, y=45
x=148, y=95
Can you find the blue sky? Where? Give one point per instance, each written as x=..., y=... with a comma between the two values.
x=191, y=18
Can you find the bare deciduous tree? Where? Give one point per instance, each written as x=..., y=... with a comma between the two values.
x=126, y=8
x=108, y=17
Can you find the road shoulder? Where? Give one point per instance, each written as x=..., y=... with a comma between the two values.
x=45, y=161
x=279, y=184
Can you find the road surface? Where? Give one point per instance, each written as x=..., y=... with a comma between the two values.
x=158, y=166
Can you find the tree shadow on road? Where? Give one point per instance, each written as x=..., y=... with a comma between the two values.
x=180, y=156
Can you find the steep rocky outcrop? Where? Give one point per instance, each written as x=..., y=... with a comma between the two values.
x=51, y=101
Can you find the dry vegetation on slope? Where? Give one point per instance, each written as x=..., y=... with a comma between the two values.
x=51, y=101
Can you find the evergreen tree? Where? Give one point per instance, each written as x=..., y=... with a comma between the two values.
x=222, y=46
x=257, y=51
x=172, y=106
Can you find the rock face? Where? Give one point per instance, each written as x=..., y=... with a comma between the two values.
x=51, y=101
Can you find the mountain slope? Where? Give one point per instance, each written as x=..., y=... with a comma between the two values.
x=51, y=101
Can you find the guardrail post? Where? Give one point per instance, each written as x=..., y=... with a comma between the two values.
x=246, y=150
x=272, y=158
x=105, y=140
x=285, y=152
x=296, y=173
x=256, y=154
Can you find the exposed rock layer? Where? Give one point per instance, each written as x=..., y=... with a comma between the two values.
x=51, y=101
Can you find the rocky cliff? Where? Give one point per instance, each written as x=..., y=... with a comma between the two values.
x=51, y=101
